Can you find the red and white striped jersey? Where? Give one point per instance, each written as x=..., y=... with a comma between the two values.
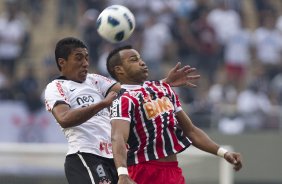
x=94, y=135
x=154, y=131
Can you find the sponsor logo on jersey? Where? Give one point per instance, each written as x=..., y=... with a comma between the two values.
x=84, y=100
x=156, y=107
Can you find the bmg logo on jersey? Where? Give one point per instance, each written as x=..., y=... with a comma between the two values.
x=155, y=107
x=85, y=100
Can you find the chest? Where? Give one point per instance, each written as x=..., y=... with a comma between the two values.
x=82, y=95
x=153, y=104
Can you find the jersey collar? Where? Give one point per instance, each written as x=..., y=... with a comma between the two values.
x=130, y=87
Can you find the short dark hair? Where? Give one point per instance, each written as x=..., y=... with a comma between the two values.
x=65, y=46
x=114, y=59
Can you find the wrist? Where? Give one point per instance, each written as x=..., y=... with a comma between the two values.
x=221, y=152
x=165, y=80
x=104, y=103
x=122, y=171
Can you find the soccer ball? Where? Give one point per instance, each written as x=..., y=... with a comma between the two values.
x=115, y=23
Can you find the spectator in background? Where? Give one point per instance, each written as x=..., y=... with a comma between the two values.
x=163, y=9
x=185, y=8
x=268, y=45
x=157, y=42
x=224, y=20
x=279, y=23
x=222, y=94
x=34, y=9
x=102, y=61
x=27, y=90
x=90, y=35
x=222, y=97
x=184, y=40
x=276, y=88
x=93, y=4
x=186, y=46
x=237, y=56
x=254, y=107
x=6, y=91
x=49, y=62
x=262, y=6
x=207, y=46
x=67, y=13
x=13, y=32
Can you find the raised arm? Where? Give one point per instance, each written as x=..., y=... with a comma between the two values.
x=120, y=133
x=203, y=142
x=178, y=76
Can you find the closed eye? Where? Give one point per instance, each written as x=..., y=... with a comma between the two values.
x=135, y=58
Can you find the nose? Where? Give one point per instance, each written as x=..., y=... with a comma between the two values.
x=142, y=63
x=85, y=63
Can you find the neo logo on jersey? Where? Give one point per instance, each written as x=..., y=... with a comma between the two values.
x=84, y=99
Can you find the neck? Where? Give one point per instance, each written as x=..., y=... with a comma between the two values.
x=126, y=81
x=131, y=83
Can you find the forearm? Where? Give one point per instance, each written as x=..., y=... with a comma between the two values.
x=119, y=151
x=198, y=137
x=202, y=141
x=75, y=117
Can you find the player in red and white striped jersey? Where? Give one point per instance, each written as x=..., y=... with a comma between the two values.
x=149, y=126
x=149, y=109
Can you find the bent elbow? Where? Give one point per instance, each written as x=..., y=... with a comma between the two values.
x=64, y=123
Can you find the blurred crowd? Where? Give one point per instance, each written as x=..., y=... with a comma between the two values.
x=235, y=45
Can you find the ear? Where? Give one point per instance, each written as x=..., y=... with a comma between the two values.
x=61, y=62
x=118, y=70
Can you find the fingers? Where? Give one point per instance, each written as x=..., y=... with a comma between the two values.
x=176, y=67
x=186, y=69
x=237, y=165
x=189, y=84
x=113, y=93
x=190, y=77
x=235, y=160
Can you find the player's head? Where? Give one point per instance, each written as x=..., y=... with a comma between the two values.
x=126, y=66
x=72, y=58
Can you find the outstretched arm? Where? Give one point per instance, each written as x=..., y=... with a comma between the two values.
x=178, y=76
x=203, y=142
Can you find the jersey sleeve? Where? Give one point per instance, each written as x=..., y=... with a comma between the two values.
x=174, y=97
x=104, y=84
x=54, y=94
x=177, y=103
x=122, y=108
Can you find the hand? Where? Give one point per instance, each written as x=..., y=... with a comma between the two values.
x=234, y=159
x=125, y=179
x=178, y=77
x=110, y=98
